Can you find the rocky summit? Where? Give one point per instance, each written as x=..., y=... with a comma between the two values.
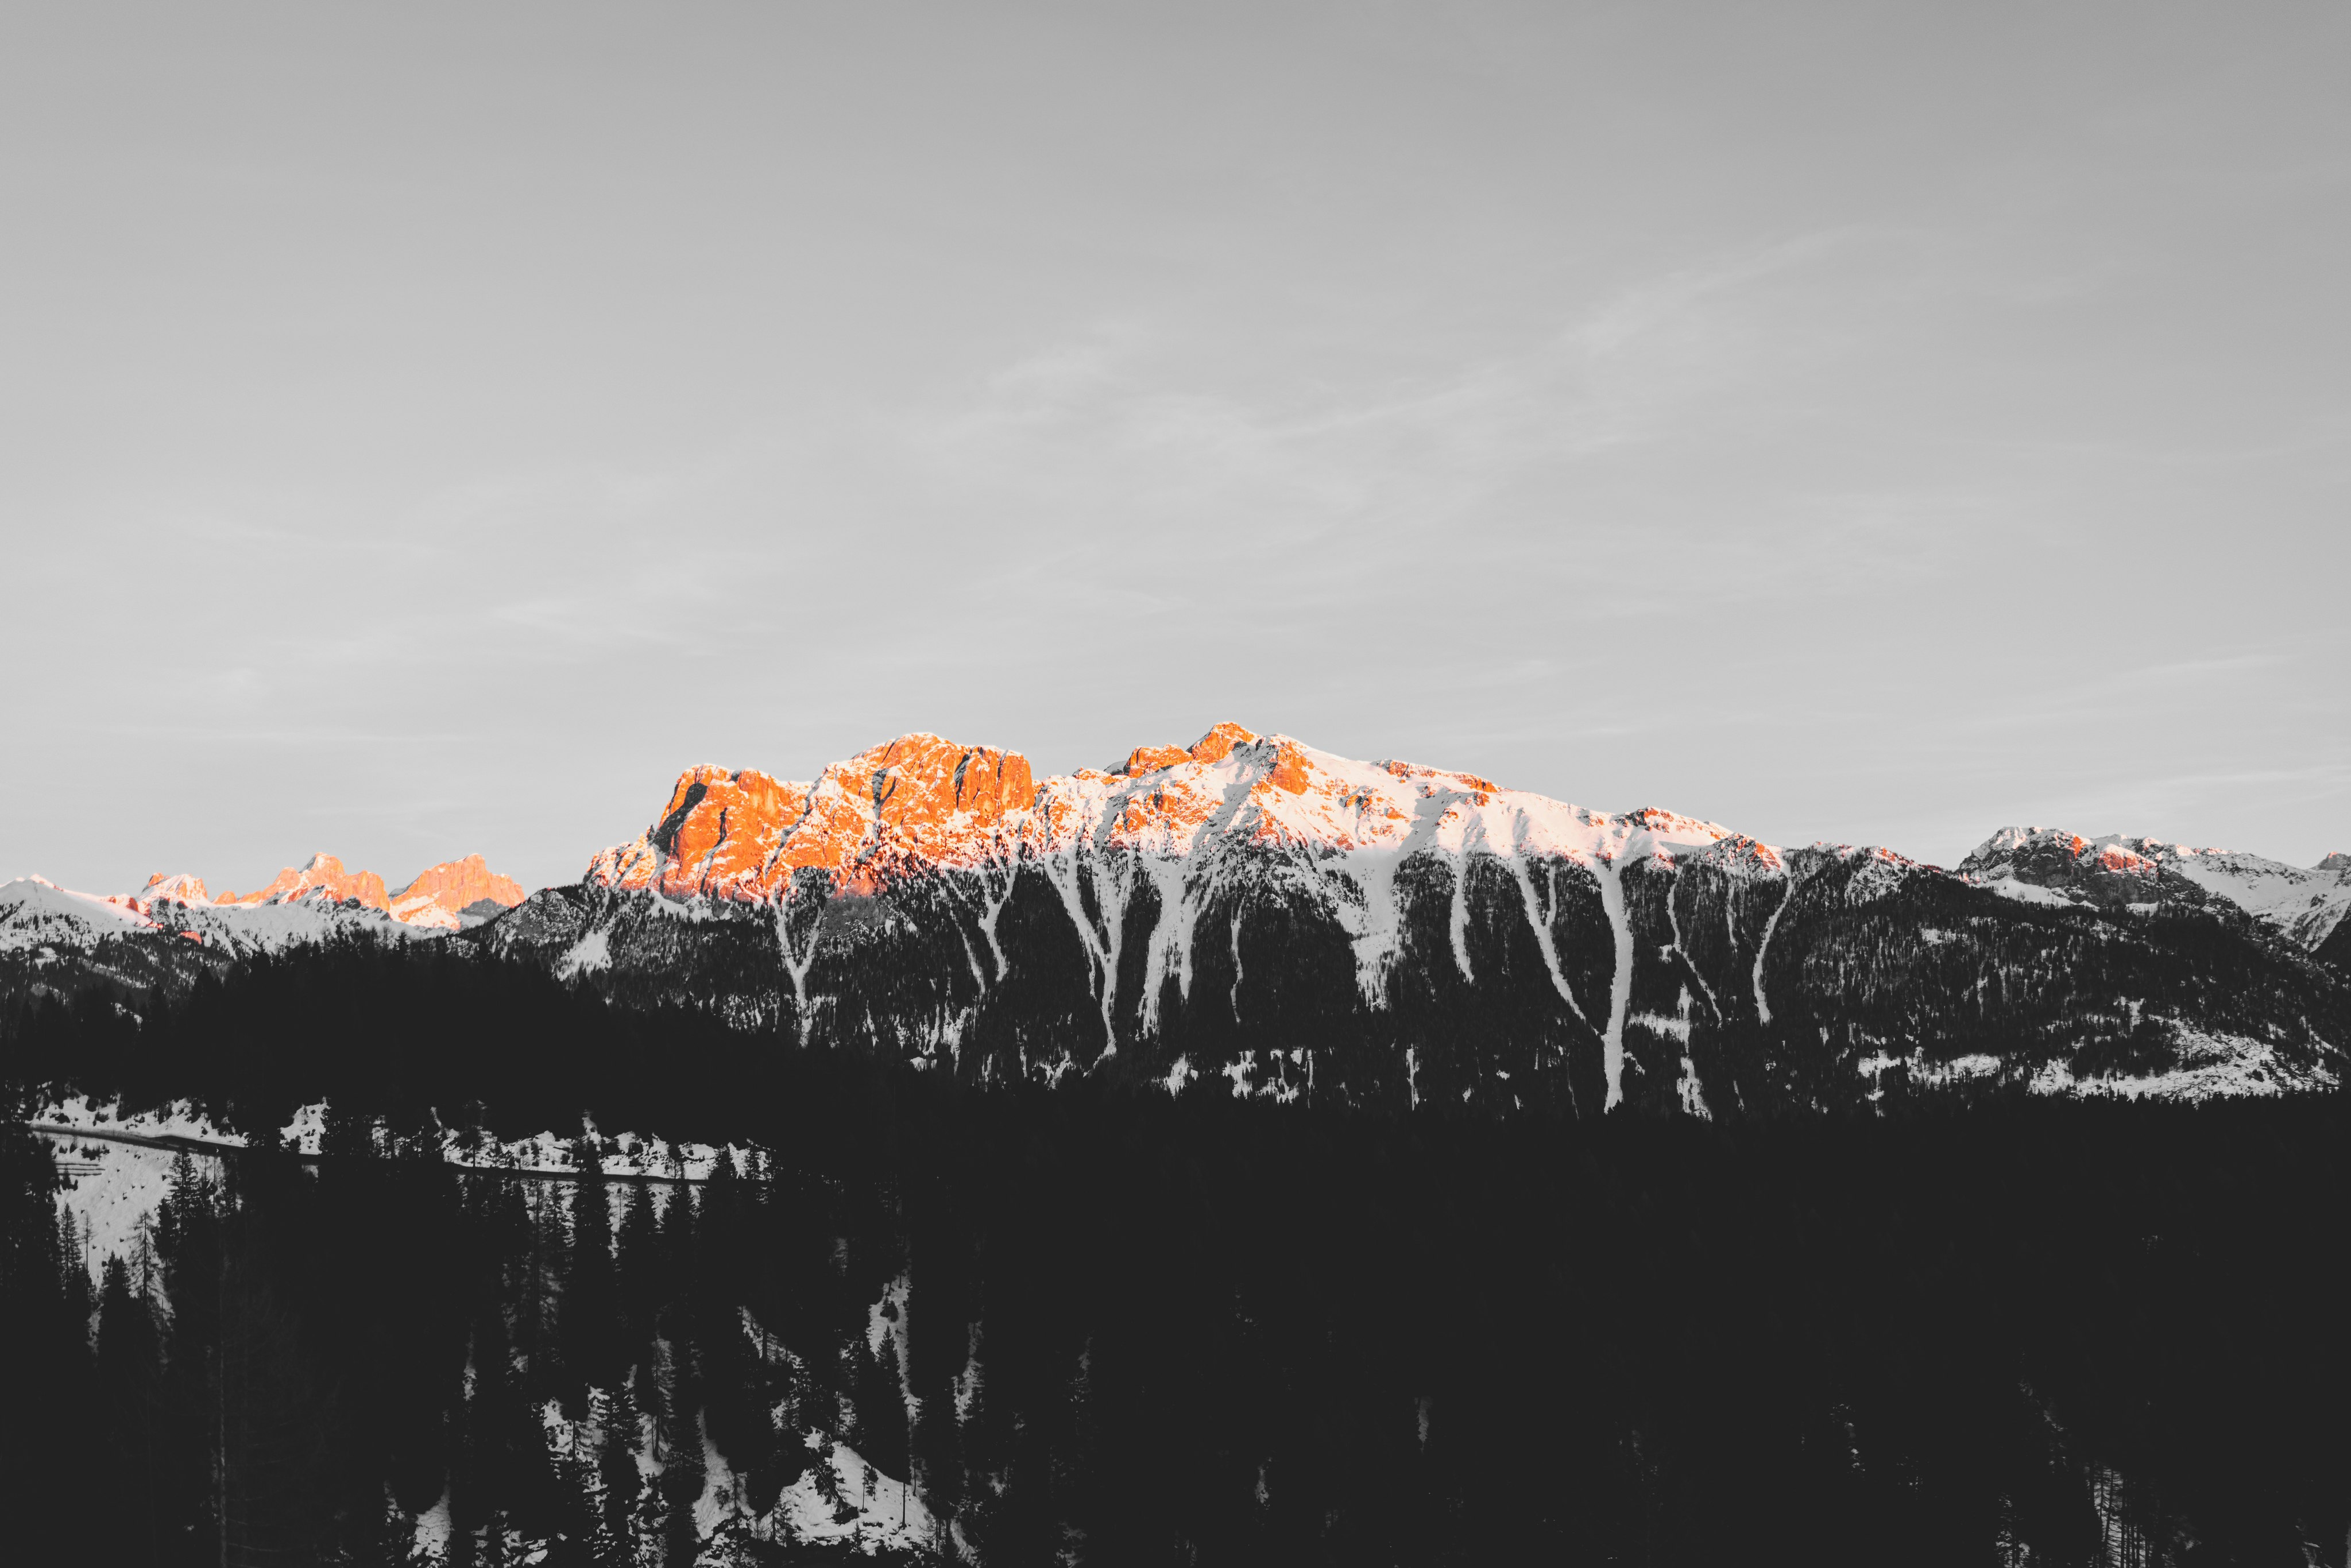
x=456, y=893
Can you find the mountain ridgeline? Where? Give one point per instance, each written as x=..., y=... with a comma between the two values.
x=1381, y=934
x=1286, y=924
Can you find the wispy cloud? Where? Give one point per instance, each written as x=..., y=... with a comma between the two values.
x=1110, y=413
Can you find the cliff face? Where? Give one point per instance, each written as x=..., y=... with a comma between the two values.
x=451, y=894
x=743, y=836
x=448, y=896
x=324, y=877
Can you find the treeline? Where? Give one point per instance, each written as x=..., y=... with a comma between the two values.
x=411, y=1032
x=403, y=1031
x=1116, y=1329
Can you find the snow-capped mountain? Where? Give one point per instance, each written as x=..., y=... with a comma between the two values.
x=1301, y=922
x=36, y=913
x=450, y=896
x=323, y=879
x=2044, y=863
x=1298, y=923
x=455, y=895
x=172, y=929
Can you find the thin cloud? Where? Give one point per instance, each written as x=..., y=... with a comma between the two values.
x=1107, y=416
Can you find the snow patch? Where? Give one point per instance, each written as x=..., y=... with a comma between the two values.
x=2209, y=1066
x=590, y=954
x=1620, y=984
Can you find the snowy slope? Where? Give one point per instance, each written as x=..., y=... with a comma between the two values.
x=36, y=914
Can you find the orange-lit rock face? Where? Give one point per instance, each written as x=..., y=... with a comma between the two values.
x=742, y=835
x=186, y=888
x=921, y=802
x=435, y=897
x=1290, y=770
x=453, y=886
x=1145, y=759
x=324, y=877
x=1219, y=743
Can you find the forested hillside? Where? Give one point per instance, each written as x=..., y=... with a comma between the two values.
x=1113, y=1328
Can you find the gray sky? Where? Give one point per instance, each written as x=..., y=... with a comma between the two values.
x=428, y=429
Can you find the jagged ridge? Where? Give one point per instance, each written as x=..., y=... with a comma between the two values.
x=1251, y=906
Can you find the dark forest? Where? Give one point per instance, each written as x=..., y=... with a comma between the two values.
x=1107, y=1325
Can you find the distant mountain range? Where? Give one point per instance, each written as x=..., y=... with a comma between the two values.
x=1251, y=909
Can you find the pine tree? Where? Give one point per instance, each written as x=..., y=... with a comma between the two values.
x=189, y=1242
x=130, y=1374
x=685, y=1468
x=80, y=1303
x=46, y=1491
x=641, y=1273
x=619, y=1481
x=585, y=1326
x=881, y=1396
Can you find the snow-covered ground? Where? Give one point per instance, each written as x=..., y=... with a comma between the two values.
x=2205, y=1067
x=625, y=1155
x=881, y=1512
x=2209, y=1067
x=113, y=1190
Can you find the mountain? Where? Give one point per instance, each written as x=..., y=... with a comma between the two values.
x=1298, y=922
x=323, y=879
x=450, y=896
x=55, y=940
x=455, y=895
x=2041, y=863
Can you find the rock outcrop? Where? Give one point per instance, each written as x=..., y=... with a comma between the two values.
x=450, y=896
x=325, y=878
x=456, y=893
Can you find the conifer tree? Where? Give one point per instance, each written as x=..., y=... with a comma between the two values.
x=189, y=1240
x=685, y=1468
x=45, y=1434
x=619, y=1481
x=880, y=1397
x=638, y=1265
x=80, y=1303
x=585, y=1326
x=130, y=1373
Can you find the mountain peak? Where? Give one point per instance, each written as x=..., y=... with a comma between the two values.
x=2032, y=862
x=324, y=877
x=922, y=802
x=443, y=894
x=1219, y=743
x=186, y=889
x=438, y=897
